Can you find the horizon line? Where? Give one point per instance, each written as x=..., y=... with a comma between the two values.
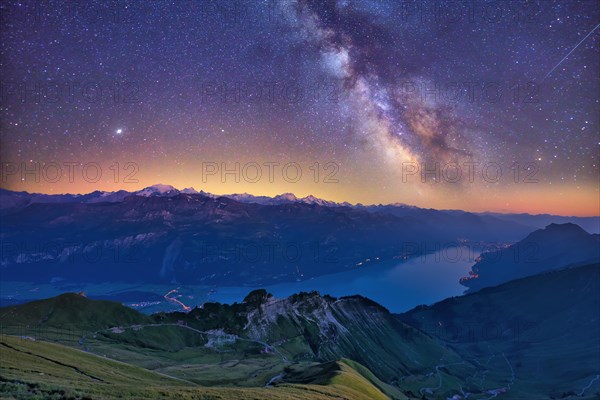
x=503, y=212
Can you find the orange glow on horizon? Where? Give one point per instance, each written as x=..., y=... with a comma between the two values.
x=567, y=201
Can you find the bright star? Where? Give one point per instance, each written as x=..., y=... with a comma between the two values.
x=119, y=131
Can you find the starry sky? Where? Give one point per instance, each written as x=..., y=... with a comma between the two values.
x=480, y=106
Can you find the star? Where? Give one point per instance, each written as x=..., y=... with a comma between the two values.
x=382, y=84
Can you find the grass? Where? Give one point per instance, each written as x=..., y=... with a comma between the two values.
x=305, y=328
x=36, y=369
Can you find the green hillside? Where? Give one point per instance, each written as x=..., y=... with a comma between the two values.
x=241, y=344
x=35, y=370
x=538, y=337
x=310, y=327
x=261, y=341
x=535, y=337
x=346, y=373
x=71, y=311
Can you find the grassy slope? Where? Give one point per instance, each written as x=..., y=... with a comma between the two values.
x=545, y=328
x=32, y=369
x=356, y=328
x=71, y=311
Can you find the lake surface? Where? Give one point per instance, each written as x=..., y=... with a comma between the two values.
x=399, y=287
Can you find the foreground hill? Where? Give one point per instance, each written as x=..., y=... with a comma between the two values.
x=261, y=341
x=540, y=333
x=69, y=311
x=500, y=341
x=34, y=370
x=310, y=327
x=556, y=246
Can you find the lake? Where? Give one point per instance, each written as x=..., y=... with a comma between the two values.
x=398, y=287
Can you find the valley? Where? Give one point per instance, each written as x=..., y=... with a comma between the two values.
x=381, y=314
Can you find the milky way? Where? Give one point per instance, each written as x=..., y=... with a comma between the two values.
x=403, y=128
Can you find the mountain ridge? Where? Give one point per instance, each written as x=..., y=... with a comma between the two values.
x=294, y=332
x=542, y=330
x=199, y=239
x=556, y=246
x=169, y=190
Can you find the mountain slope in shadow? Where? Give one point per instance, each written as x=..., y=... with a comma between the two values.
x=556, y=246
x=540, y=335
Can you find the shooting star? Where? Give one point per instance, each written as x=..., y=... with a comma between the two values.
x=572, y=50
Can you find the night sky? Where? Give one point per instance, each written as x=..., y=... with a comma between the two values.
x=372, y=91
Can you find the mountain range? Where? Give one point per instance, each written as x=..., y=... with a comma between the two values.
x=527, y=328
x=199, y=239
x=11, y=201
x=163, y=235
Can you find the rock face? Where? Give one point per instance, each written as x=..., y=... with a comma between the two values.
x=556, y=246
x=311, y=327
x=308, y=326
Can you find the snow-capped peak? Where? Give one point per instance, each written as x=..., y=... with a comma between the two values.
x=158, y=190
x=240, y=196
x=286, y=196
x=310, y=199
x=190, y=190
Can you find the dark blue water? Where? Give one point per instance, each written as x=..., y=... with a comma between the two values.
x=398, y=287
